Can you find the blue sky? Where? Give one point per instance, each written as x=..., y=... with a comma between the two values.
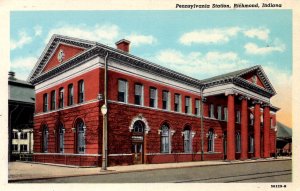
x=200, y=44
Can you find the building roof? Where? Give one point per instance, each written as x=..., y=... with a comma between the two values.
x=236, y=77
x=283, y=131
x=229, y=75
x=20, y=91
x=92, y=49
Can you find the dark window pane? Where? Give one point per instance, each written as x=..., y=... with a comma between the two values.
x=176, y=108
x=164, y=104
x=152, y=102
x=121, y=96
x=137, y=99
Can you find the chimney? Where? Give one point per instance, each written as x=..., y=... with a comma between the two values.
x=123, y=45
x=11, y=75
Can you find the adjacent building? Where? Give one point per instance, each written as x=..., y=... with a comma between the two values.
x=154, y=114
x=21, y=109
x=284, y=140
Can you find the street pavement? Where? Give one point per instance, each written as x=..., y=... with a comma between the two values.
x=180, y=172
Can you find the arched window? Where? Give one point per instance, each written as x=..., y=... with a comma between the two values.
x=80, y=130
x=45, y=135
x=165, y=139
x=211, y=140
x=60, y=136
x=238, y=142
x=138, y=127
x=187, y=140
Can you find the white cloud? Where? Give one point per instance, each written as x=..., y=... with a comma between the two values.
x=105, y=34
x=201, y=65
x=282, y=82
x=137, y=39
x=23, y=39
x=209, y=36
x=38, y=30
x=252, y=48
x=260, y=33
x=23, y=66
x=277, y=76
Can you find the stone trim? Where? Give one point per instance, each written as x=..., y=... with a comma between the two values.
x=67, y=154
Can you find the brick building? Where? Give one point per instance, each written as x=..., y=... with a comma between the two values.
x=154, y=113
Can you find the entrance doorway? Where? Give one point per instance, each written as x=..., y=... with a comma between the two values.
x=137, y=139
x=137, y=150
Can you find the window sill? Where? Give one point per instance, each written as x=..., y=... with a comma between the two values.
x=212, y=152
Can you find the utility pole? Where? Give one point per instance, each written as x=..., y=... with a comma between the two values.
x=201, y=121
x=104, y=110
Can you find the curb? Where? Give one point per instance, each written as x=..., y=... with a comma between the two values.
x=143, y=170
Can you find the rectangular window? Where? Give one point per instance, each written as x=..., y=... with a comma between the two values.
x=251, y=144
x=70, y=94
x=211, y=111
x=122, y=91
x=53, y=100
x=14, y=147
x=251, y=117
x=153, y=97
x=238, y=116
x=80, y=91
x=15, y=135
x=138, y=94
x=177, y=101
x=23, y=148
x=165, y=100
x=225, y=114
x=23, y=135
x=187, y=104
x=45, y=102
x=197, y=107
x=219, y=112
x=271, y=122
x=61, y=98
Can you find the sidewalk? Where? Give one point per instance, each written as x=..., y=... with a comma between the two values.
x=28, y=170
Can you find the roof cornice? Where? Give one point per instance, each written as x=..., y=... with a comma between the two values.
x=250, y=86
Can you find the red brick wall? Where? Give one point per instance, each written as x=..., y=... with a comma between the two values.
x=90, y=115
x=119, y=119
x=131, y=80
x=119, y=141
x=70, y=51
x=74, y=160
x=91, y=87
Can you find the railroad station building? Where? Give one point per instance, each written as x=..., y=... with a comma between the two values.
x=154, y=114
